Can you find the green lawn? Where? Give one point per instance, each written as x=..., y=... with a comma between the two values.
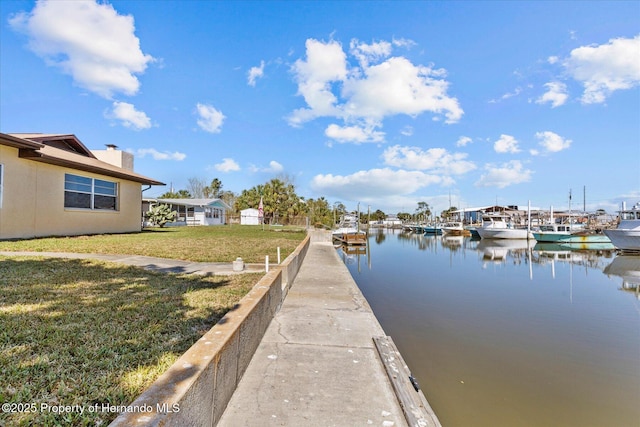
x=83, y=332
x=202, y=244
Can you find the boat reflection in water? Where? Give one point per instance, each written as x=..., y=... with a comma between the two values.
x=500, y=249
x=509, y=333
x=628, y=268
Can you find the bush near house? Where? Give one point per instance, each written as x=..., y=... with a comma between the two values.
x=160, y=215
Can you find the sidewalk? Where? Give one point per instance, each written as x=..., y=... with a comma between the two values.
x=324, y=359
x=163, y=265
x=317, y=364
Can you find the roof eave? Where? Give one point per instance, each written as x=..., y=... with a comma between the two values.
x=12, y=141
x=40, y=157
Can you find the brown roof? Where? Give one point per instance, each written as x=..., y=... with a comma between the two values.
x=75, y=155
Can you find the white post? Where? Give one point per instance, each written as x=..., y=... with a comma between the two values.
x=278, y=255
x=266, y=263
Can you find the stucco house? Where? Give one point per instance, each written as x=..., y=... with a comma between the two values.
x=192, y=211
x=53, y=185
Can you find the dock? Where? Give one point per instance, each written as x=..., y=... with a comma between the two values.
x=351, y=239
x=325, y=360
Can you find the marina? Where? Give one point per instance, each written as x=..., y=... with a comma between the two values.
x=505, y=332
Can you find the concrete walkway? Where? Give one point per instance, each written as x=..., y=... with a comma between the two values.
x=317, y=364
x=163, y=265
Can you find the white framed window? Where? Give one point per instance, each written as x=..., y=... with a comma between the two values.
x=81, y=192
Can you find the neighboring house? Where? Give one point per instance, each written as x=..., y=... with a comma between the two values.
x=519, y=213
x=53, y=185
x=193, y=211
x=392, y=221
x=249, y=217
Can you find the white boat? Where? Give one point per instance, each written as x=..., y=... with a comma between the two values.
x=627, y=235
x=349, y=232
x=499, y=226
x=454, y=228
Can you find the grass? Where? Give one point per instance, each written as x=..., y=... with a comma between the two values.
x=85, y=332
x=200, y=244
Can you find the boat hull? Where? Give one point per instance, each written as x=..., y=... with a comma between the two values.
x=551, y=237
x=432, y=230
x=626, y=240
x=504, y=233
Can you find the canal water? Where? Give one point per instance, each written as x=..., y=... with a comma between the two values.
x=509, y=333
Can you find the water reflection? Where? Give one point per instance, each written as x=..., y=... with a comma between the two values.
x=509, y=333
x=628, y=268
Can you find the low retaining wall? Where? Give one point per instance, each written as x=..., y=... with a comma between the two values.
x=196, y=389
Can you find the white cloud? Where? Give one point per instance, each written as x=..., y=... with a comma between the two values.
x=463, y=141
x=375, y=183
x=603, y=69
x=366, y=53
x=517, y=91
x=274, y=167
x=552, y=142
x=556, y=94
x=255, y=73
x=397, y=86
x=227, y=165
x=504, y=175
x=210, y=119
x=437, y=160
x=506, y=144
x=364, y=95
x=325, y=63
x=408, y=43
x=407, y=131
x=89, y=41
x=354, y=134
x=129, y=116
x=157, y=155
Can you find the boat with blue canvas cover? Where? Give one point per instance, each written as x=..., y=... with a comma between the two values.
x=432, y=229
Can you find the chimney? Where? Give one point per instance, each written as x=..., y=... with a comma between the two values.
x=115, y=157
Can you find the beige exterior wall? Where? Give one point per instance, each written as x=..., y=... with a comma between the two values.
x=122, y=159
x=33, y=202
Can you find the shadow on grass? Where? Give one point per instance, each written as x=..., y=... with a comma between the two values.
x=81, y=332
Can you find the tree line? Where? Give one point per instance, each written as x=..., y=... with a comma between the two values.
x=281, y=204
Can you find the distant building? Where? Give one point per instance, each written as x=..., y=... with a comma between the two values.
x=249, y=217
x=192, y=211
x=392, y=221
x=53, y=185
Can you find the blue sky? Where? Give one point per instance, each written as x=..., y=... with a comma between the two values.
x=385, y=104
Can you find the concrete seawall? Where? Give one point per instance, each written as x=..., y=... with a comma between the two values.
x=195, y=390
x=325, y=360
x=317, y=358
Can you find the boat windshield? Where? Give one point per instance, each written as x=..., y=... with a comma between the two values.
x=630, y=215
